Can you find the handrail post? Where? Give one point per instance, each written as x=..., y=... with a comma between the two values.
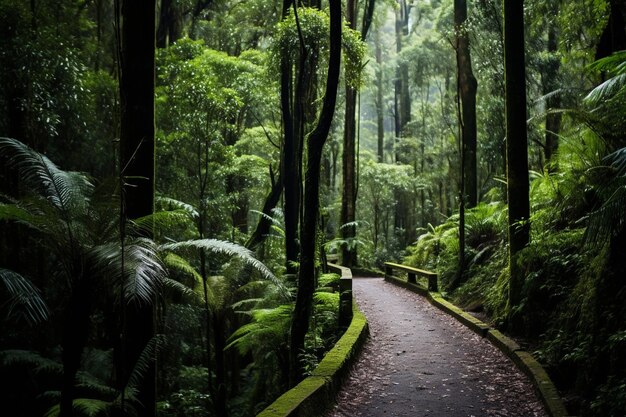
x=411, y=278
x=345, y=301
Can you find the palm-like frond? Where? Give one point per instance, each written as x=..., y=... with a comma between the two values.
x=229, y=249
x=65, y=190
x=24, y=298
x=615, y=85
x=143, y=273
x=607, y=90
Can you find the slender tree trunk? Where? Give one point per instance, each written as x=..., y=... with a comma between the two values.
x=553, y=120
x=74, y=339
x=137, y=164
x=404, y=213
x=263, y=226
x=467, y=89
x=348, y=199
x=380, y=120
x=517, y=145
x=290, y=163
x=316, y=140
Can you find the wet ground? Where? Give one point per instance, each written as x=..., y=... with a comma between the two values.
x=419, y=361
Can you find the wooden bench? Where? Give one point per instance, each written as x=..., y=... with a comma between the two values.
x=412, y=274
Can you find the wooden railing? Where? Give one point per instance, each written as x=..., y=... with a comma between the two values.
x=412, y=274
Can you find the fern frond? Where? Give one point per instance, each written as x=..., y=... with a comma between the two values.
x=607, y=90
x=226, y=248
x=171, y=204
x=16, y=357
x=24, y=298
x=178, y=263
x=354, y=224
x=145, y=273
x=160, y=220
x=271, y=219
x=67, y=191
x=618, y=161
x=268, y=329
x=147, y=357
x=88, y=407
x=608, y=220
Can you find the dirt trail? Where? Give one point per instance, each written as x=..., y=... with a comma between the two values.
x=419, y=361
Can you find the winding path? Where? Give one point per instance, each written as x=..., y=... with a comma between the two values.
x=419, y=361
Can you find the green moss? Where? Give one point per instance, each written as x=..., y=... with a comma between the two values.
x=317, y=391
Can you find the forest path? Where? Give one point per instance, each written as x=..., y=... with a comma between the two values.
x=419, y=361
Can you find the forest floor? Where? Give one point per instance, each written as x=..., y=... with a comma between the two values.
x=419, y=361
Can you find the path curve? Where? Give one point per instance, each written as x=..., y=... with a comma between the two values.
x=419, y=361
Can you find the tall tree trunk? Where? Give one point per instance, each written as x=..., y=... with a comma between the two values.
x=404, y=218
x=516, y=146
x=553, y=120
x=348, y=199
x=290, y=163
x=380, y=120
x=467, y=87
x=137, y=164
x=316, y=140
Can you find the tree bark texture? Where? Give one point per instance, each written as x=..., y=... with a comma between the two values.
x=308, y=230
x=137, y=167
x=468, y=86
x=516, y=143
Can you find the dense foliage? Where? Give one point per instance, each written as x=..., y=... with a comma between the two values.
x=70, y=261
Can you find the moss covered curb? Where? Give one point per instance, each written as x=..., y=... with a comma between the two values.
x=317, y=392
x=522, y=359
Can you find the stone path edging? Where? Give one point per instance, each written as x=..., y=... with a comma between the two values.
x=315, y=393
x=524, y=360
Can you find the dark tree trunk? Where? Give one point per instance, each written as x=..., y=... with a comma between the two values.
x=380, y=120
x=467, y=87
x=348, y=201
x=74, y=339
x=137, y=164
x=348, y=197
x=516, y=145
x=263, y=226
x=553, y=120
x=169, y=29
x=404, y=219
x=316, y=140
x=292, y=157
x=220, y=366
